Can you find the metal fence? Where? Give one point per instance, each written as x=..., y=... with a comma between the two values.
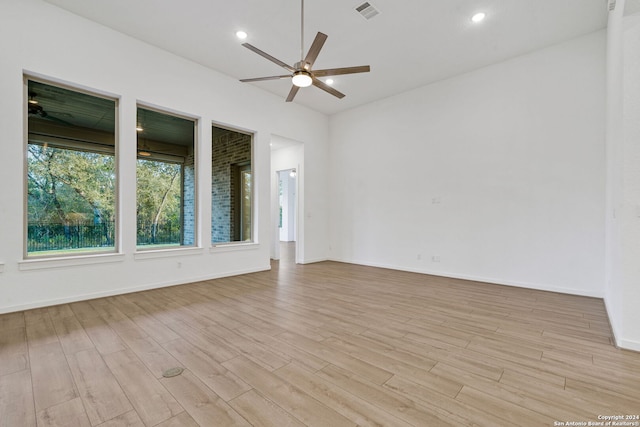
x=60, y=237
x=163, y=233
x=55, y=236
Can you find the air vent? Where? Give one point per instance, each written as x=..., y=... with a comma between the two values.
x=612, y=5
x=367, y=10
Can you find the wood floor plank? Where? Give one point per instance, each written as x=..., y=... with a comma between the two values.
x=512, y=413
x=70, y=413
x=367, y=370
x=205, y=341
x=41, y=332
x=401, y=407
x=13, y=350
x=16, y=400
x=12, y=320
x=150, y=399
x=343, y=402
x=154, y=328
x=100, y=392
x=302, y=406
x=129, y=419
x=61, y=311
x=52, y=380
x=552, y=404
x=206, y=407
x=603, y=399
x=83, y=310
x=224, y=383
x=71, y=334
x=388, y=363
x=156, y=358
x=249, y=348
x=260, y=411
x=36, y=315
x=285, y=350
x=147, y=322
x=105, y=339
x=180, y=420
x=448, y=406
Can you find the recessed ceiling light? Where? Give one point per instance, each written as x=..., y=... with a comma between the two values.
x=241, y=35
x=478, y=17
x=329, y=82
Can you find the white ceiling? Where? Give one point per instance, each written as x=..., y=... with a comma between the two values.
x=409, y=44
x=631, y=7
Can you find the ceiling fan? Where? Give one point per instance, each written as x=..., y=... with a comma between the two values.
x=35, y=109
x=301, y=74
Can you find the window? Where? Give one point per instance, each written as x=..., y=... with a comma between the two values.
x=71, y=171
x=232, y=186
x=165, y=180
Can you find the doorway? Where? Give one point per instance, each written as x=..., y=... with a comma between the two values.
x=287, y=203
x=287, y=199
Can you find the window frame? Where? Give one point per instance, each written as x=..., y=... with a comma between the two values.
x=238, y=244
x=86, y=253
x=141, y=250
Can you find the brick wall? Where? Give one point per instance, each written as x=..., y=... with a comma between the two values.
x=229, y=151
x=188, y=201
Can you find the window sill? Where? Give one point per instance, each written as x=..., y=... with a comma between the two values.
x=167, y=253
x=43, y=263
x=234, y=246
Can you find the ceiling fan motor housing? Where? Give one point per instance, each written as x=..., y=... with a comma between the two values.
x=302, y=65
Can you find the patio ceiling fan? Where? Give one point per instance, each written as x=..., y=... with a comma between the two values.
x=301, y=73
x=35, y=109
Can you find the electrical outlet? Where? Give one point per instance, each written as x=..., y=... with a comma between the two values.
x=419, y=257
x=435, y=258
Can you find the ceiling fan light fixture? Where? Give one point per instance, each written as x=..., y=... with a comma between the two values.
x=301, y=79
x=478, y=17
x=301, y=73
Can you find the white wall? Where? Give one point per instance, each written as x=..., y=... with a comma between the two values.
x=39, y=38
x=499, y=172
x=622, y=294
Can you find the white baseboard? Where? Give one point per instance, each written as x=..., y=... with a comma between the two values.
x=312, y=260
x=122, y=291
x=629, y=345
x=612, y=324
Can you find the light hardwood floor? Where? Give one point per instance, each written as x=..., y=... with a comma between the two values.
x=326, y=344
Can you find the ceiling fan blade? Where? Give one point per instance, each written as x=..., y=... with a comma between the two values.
x=269, y=57
x=259, y=79
x=314, y=50
x=292, y=93
x=322, y=85
x=338, y=71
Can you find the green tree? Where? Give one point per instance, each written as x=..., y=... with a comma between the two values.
x=158, y=197
x=67, y=187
